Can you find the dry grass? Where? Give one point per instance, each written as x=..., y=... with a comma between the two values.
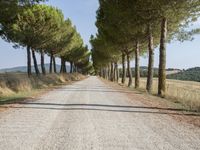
x=184, y=92
x=18, y=86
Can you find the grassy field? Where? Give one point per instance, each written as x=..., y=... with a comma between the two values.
x=184, y=92
x=17, y=86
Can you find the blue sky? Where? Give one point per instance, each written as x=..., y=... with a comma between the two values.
x=83, y=13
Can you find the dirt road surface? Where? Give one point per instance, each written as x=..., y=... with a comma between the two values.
x=90, y=115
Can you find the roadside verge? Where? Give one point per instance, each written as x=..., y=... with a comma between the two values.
x=176, y=110
x=15, y=87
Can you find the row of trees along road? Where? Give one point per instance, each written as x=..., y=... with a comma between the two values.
x=128, y=29
x=43, y=29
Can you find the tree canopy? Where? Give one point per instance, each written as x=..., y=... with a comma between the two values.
x=136, y=27
x=42, y=28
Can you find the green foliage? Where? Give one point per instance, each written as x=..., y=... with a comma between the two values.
x=35, y=26
x=122, y=23
x=42, y=28
x=10, y=9
x=123, y=26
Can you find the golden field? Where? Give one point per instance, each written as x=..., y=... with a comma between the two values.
x=185, y=92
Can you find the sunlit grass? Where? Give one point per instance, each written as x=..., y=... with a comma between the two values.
x=17, y=86
x=14, y=97
x=184, y=92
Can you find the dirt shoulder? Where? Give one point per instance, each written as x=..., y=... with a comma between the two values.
x=177, y=111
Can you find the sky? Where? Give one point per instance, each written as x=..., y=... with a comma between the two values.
x=83, y=15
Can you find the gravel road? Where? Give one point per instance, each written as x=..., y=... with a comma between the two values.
x=90, y=115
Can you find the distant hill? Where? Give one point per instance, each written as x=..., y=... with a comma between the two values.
x=144, y=71
x=24, y=68
x=192, y=74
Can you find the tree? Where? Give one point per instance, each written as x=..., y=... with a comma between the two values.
x=130, y=24
x=61, y=39
x=31, y=28
x=82, y=60
x=174, y=15
x=10, y=9
x=105, y=57
x=107, y=23
x=73, y=44
x=120, y=16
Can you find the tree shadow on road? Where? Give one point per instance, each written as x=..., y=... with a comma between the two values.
x=97, y=90
x=105, y=108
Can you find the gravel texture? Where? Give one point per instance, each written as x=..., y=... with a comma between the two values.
x=90, y=115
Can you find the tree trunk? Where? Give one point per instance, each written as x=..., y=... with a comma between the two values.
x=101, y=73
x=42, y=63
x=112, y=72
x=71, y=67
x=51, y=63
x=62, y=65
x=137, y=67
x=76, y=68
x=35, y=63
x=106, y=73
x=116, y=72
x=130, y=81
x=29, y=61
x=162, y=60
x=149, y=85
x=123, y=69
x=54, y=65
x=109, y=72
